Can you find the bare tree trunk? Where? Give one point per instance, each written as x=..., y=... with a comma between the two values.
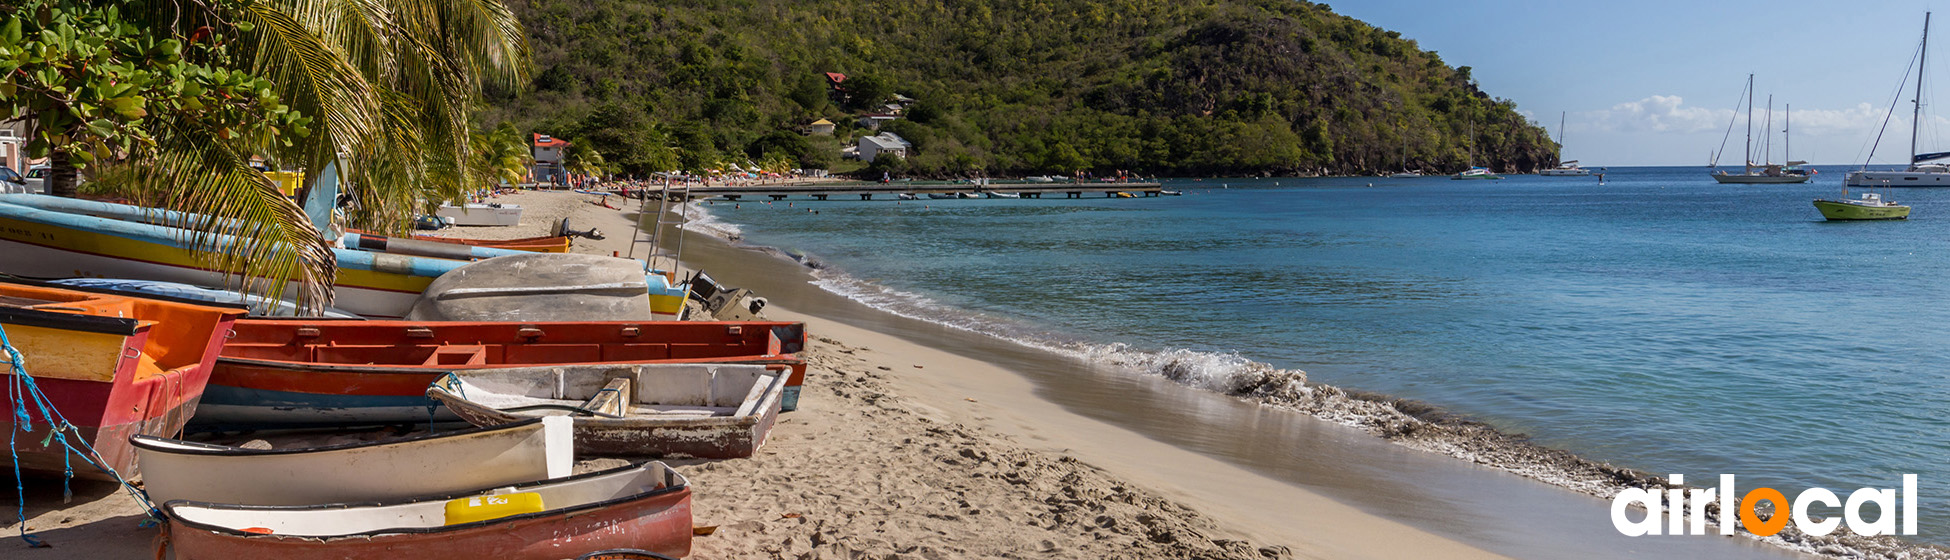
x=62, y=179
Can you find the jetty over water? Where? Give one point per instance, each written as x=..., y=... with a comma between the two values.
x=888, y=191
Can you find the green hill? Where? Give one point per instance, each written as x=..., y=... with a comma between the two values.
x=1010, y=86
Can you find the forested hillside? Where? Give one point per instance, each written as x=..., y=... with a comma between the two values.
x=1010, y=86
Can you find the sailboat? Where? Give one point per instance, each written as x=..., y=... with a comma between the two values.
x=1569, y=168
x=1405, y=173
x=1919, y=173
x=1766, y=173
x=1474, y=172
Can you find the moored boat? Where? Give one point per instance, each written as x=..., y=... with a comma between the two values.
x=1476, y=173
x=645, y=506
x=308, y=372
x=707, y=411
x=387, y=470
x=1870, y=206
x=473, y=214
x=993, y=194
x=1925, y=169
x=112, y=366
x=942, y=196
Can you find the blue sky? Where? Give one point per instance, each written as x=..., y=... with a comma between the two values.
x=1655, y=82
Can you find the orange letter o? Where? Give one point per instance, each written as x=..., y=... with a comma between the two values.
x=1752, y=521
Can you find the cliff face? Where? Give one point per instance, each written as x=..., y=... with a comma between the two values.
x=1001, y=87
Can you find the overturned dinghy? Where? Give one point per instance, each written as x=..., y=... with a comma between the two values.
x=390, y=470
x=550, y=287
x=675, y=410
x=646, y=507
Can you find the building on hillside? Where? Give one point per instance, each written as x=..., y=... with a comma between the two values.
x=821, y=127
x=885, y=143
x=549, y=154
x=872, y=121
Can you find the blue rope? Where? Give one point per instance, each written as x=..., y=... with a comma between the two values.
x=22, y=389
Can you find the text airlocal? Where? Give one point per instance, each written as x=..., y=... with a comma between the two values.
x=1682, y=511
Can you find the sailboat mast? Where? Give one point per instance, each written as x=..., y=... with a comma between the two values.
x=1750, y=125
x=1916, y=117
x=1787, y=139
x=1767, y=125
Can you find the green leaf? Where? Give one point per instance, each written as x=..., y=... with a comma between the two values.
x=11, y=32
x=130, y=107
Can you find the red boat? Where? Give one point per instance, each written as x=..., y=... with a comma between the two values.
x=645, y=507
x=313, y=372
x=114, y=366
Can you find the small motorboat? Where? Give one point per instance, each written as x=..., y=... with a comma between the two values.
x=1003, y=195
x=905, y=196
x=943, y=196
x=967, y=195
x=108, y=367
x=295, y=372
x=1040, y=179
x=1121, y=194
x=1478, y=173
x=1171, y=193
x=1406, y=175
x=385, y=470
x=1870, y=206
x=645, y=507
x=473, y=214
x=704, y=411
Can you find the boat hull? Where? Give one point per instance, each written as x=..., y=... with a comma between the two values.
x=319, y=373
x=657, y=519
x=1730, y=178
x=710, y=437
x=1565, y=173
x=441, y=463
x=1897, y=179
x=481, y=215
x=1843, y=211
x=129, y=366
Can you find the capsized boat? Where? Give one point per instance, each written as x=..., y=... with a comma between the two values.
x=475, y=214
x=308, y=372
x=113, y=366
x=706, y=411
x=386, y=470
x=645, y=506
x=1870, y=206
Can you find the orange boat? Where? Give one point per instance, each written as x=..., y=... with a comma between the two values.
x=113, y=366
x=322, y=372
x=545, y=244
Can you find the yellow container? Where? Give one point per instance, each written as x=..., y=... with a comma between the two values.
x=287, y=181
x=482, y=508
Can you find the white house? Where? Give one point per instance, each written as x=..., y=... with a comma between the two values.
x=883, y=143
x=549, y=160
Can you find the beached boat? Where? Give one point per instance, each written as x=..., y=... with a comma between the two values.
x=309, y=372
x=54, y=237
x=663, y=410
x=551, y=287
x=645, y=506
x=443, y=246
x=1921, y=172
x=259, y=306
x=112, y=366
x=386, y=470
x=1870, y=206
x=474, y=214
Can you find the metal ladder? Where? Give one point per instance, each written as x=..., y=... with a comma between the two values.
x=673, y=197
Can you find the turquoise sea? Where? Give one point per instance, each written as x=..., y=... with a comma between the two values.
x=1659, y=321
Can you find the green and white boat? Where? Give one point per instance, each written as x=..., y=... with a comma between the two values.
x=1870, y=206
x=1476, y=173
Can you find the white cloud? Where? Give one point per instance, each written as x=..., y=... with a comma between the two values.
x=1670, y=114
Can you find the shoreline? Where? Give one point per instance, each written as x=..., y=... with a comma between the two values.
x=1428, y=428
x=786, y=281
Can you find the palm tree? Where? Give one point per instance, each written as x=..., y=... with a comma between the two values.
x=501, y=155
x=388, y=84
x=583, y=159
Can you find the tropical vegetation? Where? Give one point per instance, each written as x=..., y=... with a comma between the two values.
x=167, y=103
x=1039, y=86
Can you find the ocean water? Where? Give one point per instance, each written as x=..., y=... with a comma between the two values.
x=1659, y=321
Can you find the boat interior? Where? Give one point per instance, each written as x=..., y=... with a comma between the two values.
x=334, y=520
x=180, y=345
x=640, y=390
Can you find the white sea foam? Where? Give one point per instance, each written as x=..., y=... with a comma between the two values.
x=700, y=218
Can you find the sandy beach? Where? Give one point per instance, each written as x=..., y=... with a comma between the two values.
x=919, y=441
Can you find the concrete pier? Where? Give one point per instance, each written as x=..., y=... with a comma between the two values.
x=888, y=191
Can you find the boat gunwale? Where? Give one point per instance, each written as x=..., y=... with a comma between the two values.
x=41, y=283
x=143, y=441
x=82, y=322
x=773, y=391
x=673, y=482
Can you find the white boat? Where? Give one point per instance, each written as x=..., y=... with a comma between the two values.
x=1171, y=193
x=942, y=196
x=1565, y=169
x=1040, y=179
x=1767, y=172
x=388, y=470
x=671, y=410
x=1476, y=173
x=646, y=506
x=1920, y=172
x=1406, y=175
x=1003, y=195
x=471, y=214
x=905, y=196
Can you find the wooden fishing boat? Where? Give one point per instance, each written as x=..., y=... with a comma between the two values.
x=311, y=372
x=472, y=214
x=380, y=471
x=543, y=244
x=663, y=410
x=113, y=366
x=54, y=237
x=644, y=507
